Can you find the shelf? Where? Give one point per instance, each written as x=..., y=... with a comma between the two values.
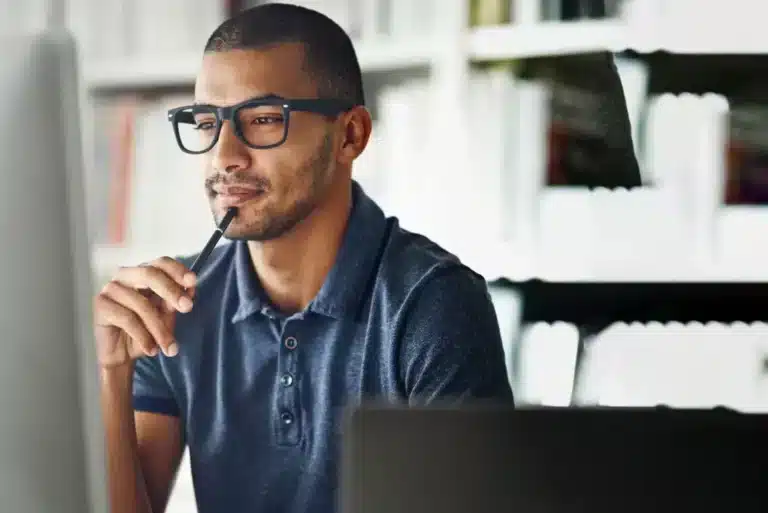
x=180, y=71
x=385, y=55
x=699, y=42
x=490, y=43
x=574, y=37
x=141, y=73
x=544, y=39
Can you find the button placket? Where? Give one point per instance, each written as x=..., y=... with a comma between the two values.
x=288, y=418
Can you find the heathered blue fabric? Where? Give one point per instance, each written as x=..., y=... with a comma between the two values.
x=398, y=319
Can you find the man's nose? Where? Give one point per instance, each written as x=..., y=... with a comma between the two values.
x=229, y=153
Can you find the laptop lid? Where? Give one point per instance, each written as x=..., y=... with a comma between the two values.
x=480, y=459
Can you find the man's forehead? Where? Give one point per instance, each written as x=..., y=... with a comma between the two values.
x=235, y=75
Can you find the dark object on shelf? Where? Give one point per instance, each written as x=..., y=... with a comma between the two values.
x=590, y=135
x=582, y=9
x=746, y=166
x=733, y=75
x=596, y=304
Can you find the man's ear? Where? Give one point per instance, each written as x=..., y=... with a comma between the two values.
x=356, y=126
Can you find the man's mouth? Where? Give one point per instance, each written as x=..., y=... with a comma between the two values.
x=232, y=196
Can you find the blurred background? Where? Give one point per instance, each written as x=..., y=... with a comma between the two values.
x=561, y=140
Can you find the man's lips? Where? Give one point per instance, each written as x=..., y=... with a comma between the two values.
x=231, y=196
x=234, y=190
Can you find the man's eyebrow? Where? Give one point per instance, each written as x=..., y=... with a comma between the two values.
x=267, y=96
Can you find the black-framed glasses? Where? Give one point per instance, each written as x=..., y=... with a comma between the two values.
x=260, y=123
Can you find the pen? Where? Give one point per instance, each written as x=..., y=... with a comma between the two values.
x=206, y=252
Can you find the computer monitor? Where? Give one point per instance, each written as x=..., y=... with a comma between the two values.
x=51, y=441
x=552, y=460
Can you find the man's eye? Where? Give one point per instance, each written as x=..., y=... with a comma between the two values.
x=266, y=120
x=206, y=125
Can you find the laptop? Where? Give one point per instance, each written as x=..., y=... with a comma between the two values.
x=553, y=460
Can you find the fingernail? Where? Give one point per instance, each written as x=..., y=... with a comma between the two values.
x=185, y=304
x=173, y=349
x=190, y=279
x=153, y=351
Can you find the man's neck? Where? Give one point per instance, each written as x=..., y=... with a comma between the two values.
x=293, y=268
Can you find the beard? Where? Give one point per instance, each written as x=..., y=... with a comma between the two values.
x=311, y=180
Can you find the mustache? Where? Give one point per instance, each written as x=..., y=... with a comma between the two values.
x=235, y=179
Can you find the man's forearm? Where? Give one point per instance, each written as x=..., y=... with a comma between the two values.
x=127, y=489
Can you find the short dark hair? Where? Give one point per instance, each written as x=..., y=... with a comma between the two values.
x=329, y=54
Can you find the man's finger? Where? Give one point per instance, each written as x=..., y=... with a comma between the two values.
x=176, y=270
x=153, y=319
x=158, y=281
x=114, y=314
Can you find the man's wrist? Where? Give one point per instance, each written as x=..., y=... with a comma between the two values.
x=117, y=379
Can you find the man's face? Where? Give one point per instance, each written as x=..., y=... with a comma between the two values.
x=276, y=188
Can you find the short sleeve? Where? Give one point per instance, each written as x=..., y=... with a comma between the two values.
x=450, y=343
x=151, y=390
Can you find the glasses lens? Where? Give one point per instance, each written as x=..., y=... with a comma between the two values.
x=262, y=125
x=197, y=128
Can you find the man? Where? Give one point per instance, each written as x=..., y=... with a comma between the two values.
x=319, y=302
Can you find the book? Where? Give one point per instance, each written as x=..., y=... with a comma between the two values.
x=590, y=134
x=747, y=155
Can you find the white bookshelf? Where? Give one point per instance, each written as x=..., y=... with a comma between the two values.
x=501, y=42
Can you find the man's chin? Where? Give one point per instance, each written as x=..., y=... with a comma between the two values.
x=254, y=224
x=247, y=235
x=253, y=233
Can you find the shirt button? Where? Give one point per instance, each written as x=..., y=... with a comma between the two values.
x=286, y=418
x=286, y=380
x=291, y=343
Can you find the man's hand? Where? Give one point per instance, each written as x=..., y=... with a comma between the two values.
x=134, y=314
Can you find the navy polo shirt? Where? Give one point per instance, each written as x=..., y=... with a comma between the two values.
x=261, y=395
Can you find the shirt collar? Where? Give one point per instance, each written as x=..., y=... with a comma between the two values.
x=251, y=298
x=344, y=289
